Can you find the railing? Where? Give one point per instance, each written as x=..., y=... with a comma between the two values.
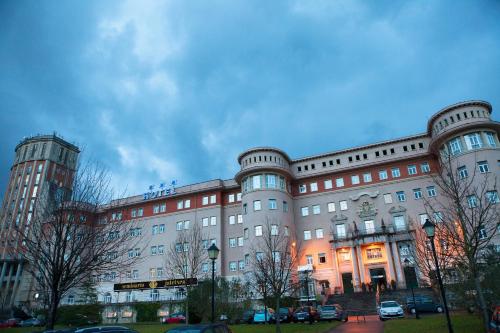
x=363, y=232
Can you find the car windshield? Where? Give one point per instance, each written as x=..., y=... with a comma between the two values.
x=328, y=308
x=283, y=310
x=389, y=304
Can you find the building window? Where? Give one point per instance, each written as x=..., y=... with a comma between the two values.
x=472, y=201
x=285, y=207
x=343, y=205
x=230, y=198
x=316, y=209
x=305, y=211
x=179, y=225
x=328, y=184
x=241, y=265
x=258, y=230
x=245, y=208
x=482, y=233
x=238, y=196
x=322, y=258
x=156, y=209
x=438, y=217
x=302, y=188
x=286, y=231
x=135, y=274
x=213, y=220
x=180, y=204
x=355, y=179
x=455, y=146
x=309, y=259
x=204, y=244
x=274, y=230
x=395, y=172
x=374, y=253
x=232, y=242
x=272, y=204
x=341, y=232
x=399, y=223
x=369, y=227
x=314, y=187
x=367, y=177
x=163, y=208
x=307, y=234
x=483, y=167
x=270, y=181
x=412, y=169
x=204, y=201
x=417, y=193
x=473, y=141
x=331, y=207
x=232, y=219
x=382, y=174
x=161, y=249
x=492, y=196
x=431, y=191
x=245, y=233
x=213, y=199
x=462, y=172
x=490, y=137
x=425, y=167
x=153, y=250
x=257, y=205
x=256, y=182
x=154, y=230
x=240, y=241
x=319, y=233
x=423, y=218
x=240, y=218
x=401, y=196
x=388, y=198
x=204, y=221
x=339, y=182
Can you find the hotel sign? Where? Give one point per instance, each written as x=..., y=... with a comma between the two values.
x=160, y=284
x=162, y=191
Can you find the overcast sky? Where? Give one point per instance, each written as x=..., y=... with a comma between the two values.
x=161, y=90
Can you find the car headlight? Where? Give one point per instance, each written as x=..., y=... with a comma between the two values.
x=383, y=312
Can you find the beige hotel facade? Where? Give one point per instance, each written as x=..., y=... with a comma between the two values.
x=353, y=210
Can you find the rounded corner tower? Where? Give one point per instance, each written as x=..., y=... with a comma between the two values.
x=265, y=179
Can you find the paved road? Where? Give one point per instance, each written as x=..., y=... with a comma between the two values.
x=372, y=325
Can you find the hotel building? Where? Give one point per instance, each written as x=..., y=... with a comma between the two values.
x=353, y=210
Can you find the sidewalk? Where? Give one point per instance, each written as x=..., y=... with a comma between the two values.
x=372, y=325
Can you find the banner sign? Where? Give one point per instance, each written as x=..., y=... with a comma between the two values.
x=160, y=284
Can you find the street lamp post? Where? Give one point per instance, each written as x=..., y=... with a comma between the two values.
x=407, y=262
x=430, y=229
x=213, y=253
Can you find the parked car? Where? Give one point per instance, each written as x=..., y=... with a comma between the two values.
x=201, y=328
x=302, y=314
x=285, y=315
x=247, y=316
x=106, y=329
x=260, y=316
x=32, y=322
x=495, y=320
x=175, y=318
x=423, y=304
x=390, y=309
x=333, y=312
x=12, y=322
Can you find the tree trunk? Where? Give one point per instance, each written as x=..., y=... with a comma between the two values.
x=482, y=303
x=187, y=305
x=52, y=313
x=277, y=314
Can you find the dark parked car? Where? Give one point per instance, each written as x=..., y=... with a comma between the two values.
x=302, y=314
x=285, y=315
x=201, y=328
x=333, y=312
x=247, y=316
x=423, y=304
x=32, y=322
x=105, y=329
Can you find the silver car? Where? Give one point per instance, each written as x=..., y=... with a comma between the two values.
x=333, y=312
x=390, y=309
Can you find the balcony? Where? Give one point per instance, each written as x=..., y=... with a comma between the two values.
x=374, y=234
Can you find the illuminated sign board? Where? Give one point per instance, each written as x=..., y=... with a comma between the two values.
x=160, y=284
x=162, y=191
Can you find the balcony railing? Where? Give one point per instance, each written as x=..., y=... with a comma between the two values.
x=375, y=231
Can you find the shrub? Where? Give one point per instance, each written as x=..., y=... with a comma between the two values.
x=147, y=311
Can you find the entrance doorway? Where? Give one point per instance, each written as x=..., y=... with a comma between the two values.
x=377, y=276
x=347, y=283
x=410, y=277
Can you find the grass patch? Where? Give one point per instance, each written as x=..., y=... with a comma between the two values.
x=463, y=323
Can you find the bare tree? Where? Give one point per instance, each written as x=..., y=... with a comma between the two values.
x=467, y=215
x=275, y=256
x=185, y=257
x=69, y=241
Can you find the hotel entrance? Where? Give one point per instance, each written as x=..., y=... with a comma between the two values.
x=347, y=283
x=378, y=277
